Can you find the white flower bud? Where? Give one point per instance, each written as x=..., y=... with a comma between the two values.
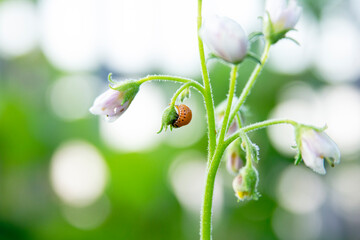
x=316, y=146
x=284, y=15
x=225, y=38
x=281, y=16
x=111, y=104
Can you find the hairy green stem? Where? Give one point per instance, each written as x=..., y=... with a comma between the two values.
x=209, y=102
x=194, y=84
x=247, y=141
x=178, y=92
x=257, y=126
x=206, y=212
x=238, y=119
x=225, y=122
x=249, y=85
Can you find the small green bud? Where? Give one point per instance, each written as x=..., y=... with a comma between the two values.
x=185, y=94
x=168, y=118
x=245, y=184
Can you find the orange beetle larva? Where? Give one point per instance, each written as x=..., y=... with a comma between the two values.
x=184, y=116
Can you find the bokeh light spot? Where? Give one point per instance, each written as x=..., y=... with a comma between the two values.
x=187, y=174
x=338, y=107
x=296, y=227
x=300, y=190
x=88, y=217
x=342, y=112
x=242, y=11
x=18, y=27
x=78, y=173
x=298, y=58
x=346, y=197
x=71, y=96
x=69, y=39
x=337, y=57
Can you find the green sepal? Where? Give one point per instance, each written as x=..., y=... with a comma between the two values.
x=253, y=57
x=168, y=118
x=298, y=158
x=110, y=79
x=272, y=35
x=220, y=59
x=250, y=180
x=211, y=56
x=298, y=130
x=129, y=89
x=254, y=36
x=276, y=36
x=293, y=40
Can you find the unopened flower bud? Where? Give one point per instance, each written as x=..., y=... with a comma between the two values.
x=281, y=17
x=245, y=184
x=115, y=101
x=184, y=94
x=225, y=38
x=233, y=159
x=168, y=118
x=315, y=146
x=219, y=116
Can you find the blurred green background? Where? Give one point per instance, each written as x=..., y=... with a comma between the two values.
x=65, y=174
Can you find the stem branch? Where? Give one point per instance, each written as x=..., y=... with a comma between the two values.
x=206, y=212
x=249, y=85
x=178, y=92
x=209, y=103
x=194, y=84
x=257, y=126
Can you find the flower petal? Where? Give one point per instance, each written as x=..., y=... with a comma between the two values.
x=225, y=38
x=311, y=157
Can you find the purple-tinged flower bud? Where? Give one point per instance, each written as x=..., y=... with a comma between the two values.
x=281, y=17
x=245, y=184
x=110, y=104
x=315, y=146
x=219, y=116
x=233, y=159
x=225, y=38
x=114, y=102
